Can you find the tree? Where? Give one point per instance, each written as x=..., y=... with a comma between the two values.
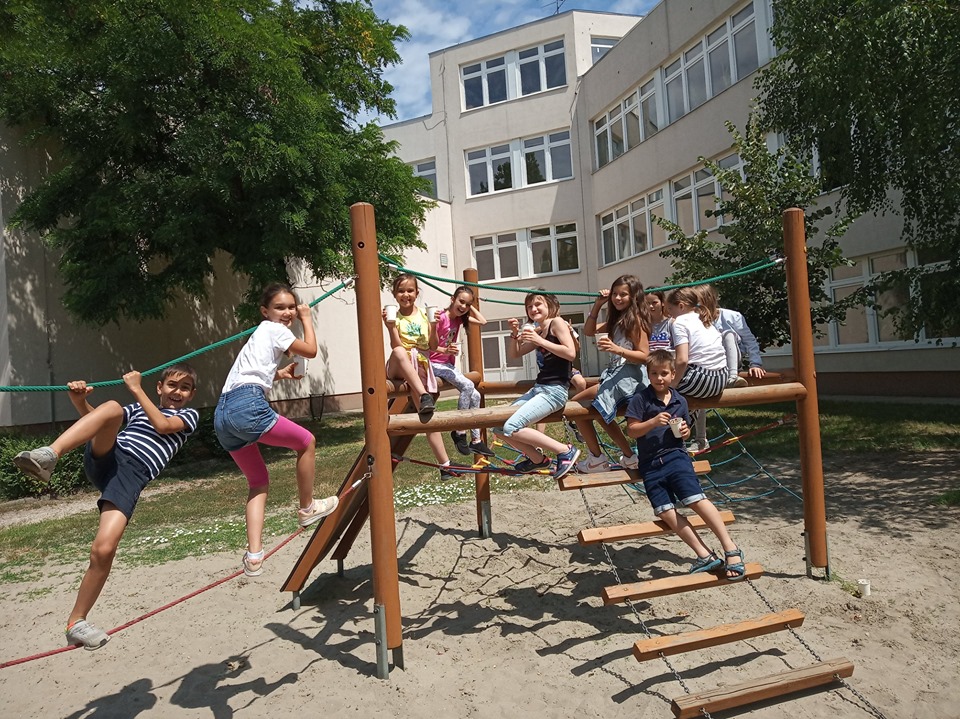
x=884, y=77
x=752, y=231
x=183, y=129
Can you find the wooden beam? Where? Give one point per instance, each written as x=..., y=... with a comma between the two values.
x=615, y=477
x=645, y=530
x=670, y=644
x=674, y=585
x=762, y=688
x=487, y=417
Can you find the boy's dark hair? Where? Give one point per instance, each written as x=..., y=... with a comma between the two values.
x=658, y=358
x=180, y=368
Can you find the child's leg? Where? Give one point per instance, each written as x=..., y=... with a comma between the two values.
x=731, y=348
x=100, y=427
x=435, y=440
x=711, y=517
x=585, y=426
x=619, y=438
x=291, y=435
x=104, y=549
x=251, y=463
x=400, y=367
x=679, y=524
x=700, y=427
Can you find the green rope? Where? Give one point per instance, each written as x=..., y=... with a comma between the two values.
x=160, y=368
x=753, y=267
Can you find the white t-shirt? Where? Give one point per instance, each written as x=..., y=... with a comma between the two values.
x=705, y=345
x=258, y=360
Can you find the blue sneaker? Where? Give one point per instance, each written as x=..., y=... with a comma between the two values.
x=566, y=461
x=528, y=465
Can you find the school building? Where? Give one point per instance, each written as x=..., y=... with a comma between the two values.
x=550, y=147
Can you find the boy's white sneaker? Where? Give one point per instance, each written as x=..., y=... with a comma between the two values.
x=37, y=463
x=592, y=464
x=83, y=634
x=631, y=462
x=317, y=510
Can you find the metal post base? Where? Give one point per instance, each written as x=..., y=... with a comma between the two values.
x=486, y=522
x=806, y=556
x=398, y=658
x=295, y=602
x=339, y=567
x=380, y=635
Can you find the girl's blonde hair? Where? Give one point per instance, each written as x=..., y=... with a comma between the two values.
x=553, y=304
x=690, y=296
x=708, y=299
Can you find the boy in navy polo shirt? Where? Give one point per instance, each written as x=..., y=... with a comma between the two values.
x=667, y=470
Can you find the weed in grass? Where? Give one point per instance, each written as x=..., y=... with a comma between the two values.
x=14, y=572
x=950, y=499
x=851, y=588
x=37, y=593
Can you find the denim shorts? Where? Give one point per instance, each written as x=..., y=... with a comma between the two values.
x=538, y=402
x=669, y=479
x=242, y=417
x=118, y=475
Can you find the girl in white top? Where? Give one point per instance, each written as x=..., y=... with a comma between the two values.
x=701, y=361
x=243, y=418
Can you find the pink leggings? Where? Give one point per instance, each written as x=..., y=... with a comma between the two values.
x=283, y=434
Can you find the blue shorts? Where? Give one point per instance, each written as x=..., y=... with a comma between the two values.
x=670, y=479
x=242, y=417
x=118, y=475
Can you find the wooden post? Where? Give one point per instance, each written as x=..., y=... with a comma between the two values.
x=373, y=381
x=475, y=364
x=808, y=409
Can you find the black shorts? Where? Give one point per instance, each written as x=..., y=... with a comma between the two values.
x=119, y=477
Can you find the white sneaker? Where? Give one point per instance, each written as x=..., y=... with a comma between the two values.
x=631, y=462
x=592, y=464
x=83, y=634
x=317, y=510
x=737, y=381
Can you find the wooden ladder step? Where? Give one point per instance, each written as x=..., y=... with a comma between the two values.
x=644, y=530
x=611, y=479
x=761, y=689
x=674, y=585
x=647, y=649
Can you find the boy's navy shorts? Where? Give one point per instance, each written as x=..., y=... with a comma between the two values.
x=670, y=479
x=118, y=475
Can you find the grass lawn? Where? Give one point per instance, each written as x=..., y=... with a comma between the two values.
x=205, y=513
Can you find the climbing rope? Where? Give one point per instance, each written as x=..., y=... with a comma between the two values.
x=116, y=382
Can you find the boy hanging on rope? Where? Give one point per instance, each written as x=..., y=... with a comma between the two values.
x=120, y=463
x=667, y=470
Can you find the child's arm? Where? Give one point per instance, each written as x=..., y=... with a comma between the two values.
x=516, y=348
x=593, y=325
x=78, y=396
x=638, y=355
x=433, y=340
x=637, y=428
x=307, y=347
x=752, y=348
x=682, y=359
x=392, y=332
x=565, y=348
x=475, y=316
x=160, y=421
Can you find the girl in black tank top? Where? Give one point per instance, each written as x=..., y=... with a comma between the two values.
x=548, y=334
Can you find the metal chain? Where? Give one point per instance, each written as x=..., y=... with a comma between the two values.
x=633, y=608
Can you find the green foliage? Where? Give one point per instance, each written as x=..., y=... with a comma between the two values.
x=67, y=478
x=184, y=129
x=752, y=231
x=885, y=76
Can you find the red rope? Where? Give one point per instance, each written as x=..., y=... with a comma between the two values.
x=149, y=614
x=786, y=419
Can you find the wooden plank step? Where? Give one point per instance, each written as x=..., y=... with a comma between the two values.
x=673, y=585
x=644, y=530
x=762, y=688
x=611, y=479
x=647, y=649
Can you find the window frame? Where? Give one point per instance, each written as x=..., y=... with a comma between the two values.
x=512, y=64
x=524, y=240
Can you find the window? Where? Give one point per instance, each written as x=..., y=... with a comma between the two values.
x=545, y=158
x=632, y=121
x=484, y=83
x=493, y=338
x=600, y=46
x=427, y=169
x=630, y=229
x=693, y=195
x=532, y=252
x=514, y=74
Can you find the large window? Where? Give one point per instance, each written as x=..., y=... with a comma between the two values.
x=631, y=229
x=544, y=158
x=514, y=74
x=428, y=170
x=632, y=121
x=532, y=252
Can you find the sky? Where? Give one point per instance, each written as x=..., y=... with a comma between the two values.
x=437, y=24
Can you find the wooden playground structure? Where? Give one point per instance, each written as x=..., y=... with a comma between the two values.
x=367, y=491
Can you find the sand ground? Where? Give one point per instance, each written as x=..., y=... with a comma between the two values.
x=513, y=625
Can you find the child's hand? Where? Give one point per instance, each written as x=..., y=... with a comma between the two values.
x=662, y=419
x=602, y=296
x=514, y=324
x=287, y=372
x=453, y=349
x=303, y=312
x=78, y=387
x=684, y=430
x=605, y=344
x=757, y=372
x=529, y=335
x=132, y=380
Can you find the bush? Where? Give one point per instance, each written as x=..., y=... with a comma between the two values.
x=67, y=478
